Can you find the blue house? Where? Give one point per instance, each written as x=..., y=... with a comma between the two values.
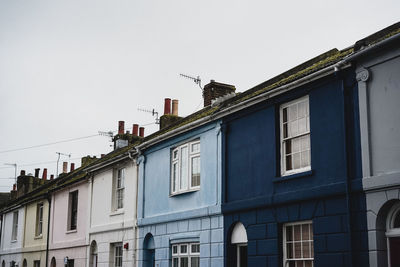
x=179, y=201
x=292, y=172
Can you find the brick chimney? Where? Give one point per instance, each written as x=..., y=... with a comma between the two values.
x=135, y=129
x=141, y=131
x=214, y=90
x=65, y=167
x=123, y=139
x=28, y=183
x=37, y=172
x=72, y=167
x=121, y=127
x=44, y=175
x=169, y=117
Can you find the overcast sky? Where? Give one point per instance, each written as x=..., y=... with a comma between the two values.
x=69, y=69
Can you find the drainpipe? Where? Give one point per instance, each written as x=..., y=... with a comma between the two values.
x=135, y=225
x=48, y=230
x=348, y=184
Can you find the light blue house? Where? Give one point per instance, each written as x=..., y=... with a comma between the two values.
x=179, y=200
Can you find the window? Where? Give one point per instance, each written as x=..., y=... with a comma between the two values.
x=239, y=240
x=295, y=136
x=36, y=263
x=73, y=210
x=39, y=219
x=119, y=185
x=185, y=167
x=186, y=255
x=298, y=245
x=14, y=233
x=393, y=235
x=117, y=254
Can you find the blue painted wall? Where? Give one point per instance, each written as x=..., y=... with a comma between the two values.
x=154, y=178
x=255, y=194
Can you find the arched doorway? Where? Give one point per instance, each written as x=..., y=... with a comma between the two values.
x=149, y=251
x=237, y=246
x=24, y=263
x=3, y=264
x=393, y=235
x=93, y=254
x=53, y=262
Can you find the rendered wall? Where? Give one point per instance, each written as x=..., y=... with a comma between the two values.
x=379, y=82
x=11, y=250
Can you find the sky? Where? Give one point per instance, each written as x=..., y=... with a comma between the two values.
x=69, y=69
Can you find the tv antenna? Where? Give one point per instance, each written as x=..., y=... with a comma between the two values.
x=196, y=80
x=108, y=134
x=153, y=113
x=58, y=159
x=15, y=167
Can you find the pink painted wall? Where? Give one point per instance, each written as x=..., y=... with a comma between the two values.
x=60, y=237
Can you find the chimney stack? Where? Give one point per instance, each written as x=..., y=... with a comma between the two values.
x=141, y=131
x=214, y=90
x=175, y=107
x=65, y=167
x=135, y=129
x=22, y=173
x=167, y=106
x=52, y=177
x=72, y=167
x=37, y=172
x=121, y=127
x=44, y=175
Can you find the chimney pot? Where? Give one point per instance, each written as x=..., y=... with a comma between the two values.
x=102, y=155
x=175, y=107
x=128, y=132
x=14, y=187
x=121, y=126
x=72, y=167
x=37, y=172
x=22, y=173
x=65, y=167
x=141, y=131
x=44, y=175
x=167, y=106
x=52, y=177
x=135, y=129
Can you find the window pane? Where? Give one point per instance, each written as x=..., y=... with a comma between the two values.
x=305, y=159
x=195, y=262
x=297, y=232
x=175, y=176
x=184, y=249
x=302, y=125
x=288, y=162
x=174, y=249
x=184, y=168
x=296, y=145
x=396, y=221
x=297, y=249
x=305, y=143
x=289, y=250
x=184, y=262
x=196, y=171
x=289, y=233
x=195, y=248
x=296, y=161
x=175, y=262
x=293, y=128
x=175, y=154
x=302, y=109
x=292, y=112
x=195, y=147
x=308, y=263
x=305, y=232
x=284, y=115
x=288, y=147
x=306, y=250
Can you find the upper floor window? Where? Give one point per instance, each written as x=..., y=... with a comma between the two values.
x=119, y=188
x=186, y=254
x=73, y=210
x=295, y=136
x=39, y=219
x=185, y=167
x=298, y=244
x=36, y=263
x=14, y=233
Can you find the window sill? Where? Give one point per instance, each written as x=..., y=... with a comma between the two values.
x=117, y=212
x=293, y=176
x=38, y=237
x=185, y=192
x=71, y=231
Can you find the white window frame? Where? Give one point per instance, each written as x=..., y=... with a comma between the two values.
x=190, y=254
x=286, y=260
x=176, y=160
x=39, y=220
x=14, y=232
x=284, y=141
x=119, y=188
x=391, y=230
x=117, y=247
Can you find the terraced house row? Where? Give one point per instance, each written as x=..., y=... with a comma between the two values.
x=301, y=170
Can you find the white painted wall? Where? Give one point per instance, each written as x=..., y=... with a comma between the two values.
x=9, y=249
x=106, y=225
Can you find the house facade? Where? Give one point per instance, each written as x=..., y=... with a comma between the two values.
x=179, y=202
x=111, y=217
x=292, y=193
x=68, y=241
x=378, y=77
x=12, y=235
